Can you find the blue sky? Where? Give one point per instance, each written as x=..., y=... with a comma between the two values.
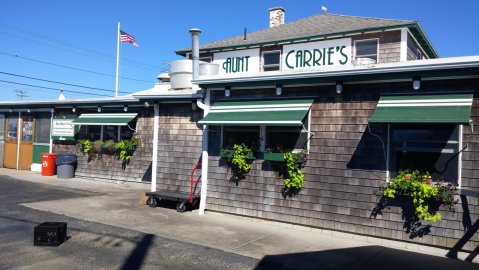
x=60, y=40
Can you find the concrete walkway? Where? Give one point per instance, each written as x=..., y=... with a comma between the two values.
x=119, y=204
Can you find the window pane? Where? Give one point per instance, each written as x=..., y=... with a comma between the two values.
x=430, y=133
x=42, y=129
x=280, y=139
x=93, y=132
x=366, y=47
x=110, y=133
x=27, y=130
x=271, y=58
x=238, y=135
x=12, y=129
x=431, y=148
x=125, y=133
x=442, y=166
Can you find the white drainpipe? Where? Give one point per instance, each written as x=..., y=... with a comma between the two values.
x=19, y=134
x=204, y=155
x=50, y=148
x=154, y=160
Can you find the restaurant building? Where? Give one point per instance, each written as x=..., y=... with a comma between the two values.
x=366, y=98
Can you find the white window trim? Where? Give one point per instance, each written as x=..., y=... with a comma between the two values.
x=377, y=48
x=270, y=52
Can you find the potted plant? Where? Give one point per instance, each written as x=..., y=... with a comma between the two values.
x=294, y=177
x=423, y=193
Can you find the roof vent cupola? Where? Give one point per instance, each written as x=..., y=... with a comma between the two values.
x=276, y=16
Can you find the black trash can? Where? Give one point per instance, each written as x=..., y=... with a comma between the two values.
x=66, y=163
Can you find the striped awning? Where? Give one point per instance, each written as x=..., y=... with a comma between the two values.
x=274, y=112
x=106, y=119
x=433, y=108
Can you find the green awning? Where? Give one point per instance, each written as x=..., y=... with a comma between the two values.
x=274, y=112
x=106, y=119
x=433, y=108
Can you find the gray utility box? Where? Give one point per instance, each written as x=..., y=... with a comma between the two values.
x=66, y=163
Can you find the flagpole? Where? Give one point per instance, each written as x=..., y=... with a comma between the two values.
x=117, y=60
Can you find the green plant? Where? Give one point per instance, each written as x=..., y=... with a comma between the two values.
x=294, y=163
x=420, y=187
x=238, y=159
x=126, y=148
x=97, y=146
x=86, y=145
x=108, y=147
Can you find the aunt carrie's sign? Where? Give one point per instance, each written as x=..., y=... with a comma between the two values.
x=237, y=61
x=312, y=55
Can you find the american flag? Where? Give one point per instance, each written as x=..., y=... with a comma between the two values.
x=125, y=37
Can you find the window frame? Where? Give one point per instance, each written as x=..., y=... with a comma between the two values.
x=274, y=65
x=262, y=134
x=389, y=166
x=363, y=40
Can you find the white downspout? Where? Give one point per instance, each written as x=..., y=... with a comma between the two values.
x=19, y=133
x=154, y=160
x=50, y=149
x=204, y=154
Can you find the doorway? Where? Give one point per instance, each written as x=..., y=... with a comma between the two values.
x=19, y=156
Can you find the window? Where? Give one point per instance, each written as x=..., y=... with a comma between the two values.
x=366, y=51
x=271, y=60
x=110, y=133
x=206, y=59
x=12, y=128
x=237, y=135
x=432, y=148
x=105, y=133
x=90, y=132
x=42, y=129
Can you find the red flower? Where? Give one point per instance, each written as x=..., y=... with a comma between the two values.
x=407, y=177
x=429, y=181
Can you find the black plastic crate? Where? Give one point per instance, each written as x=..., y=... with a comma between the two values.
x=50, y=234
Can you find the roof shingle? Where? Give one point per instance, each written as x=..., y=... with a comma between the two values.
x=317, y=25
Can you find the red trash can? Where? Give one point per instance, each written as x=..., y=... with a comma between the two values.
x=48, y=164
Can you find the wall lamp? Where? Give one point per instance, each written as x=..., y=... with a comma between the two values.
x=11, y=110
x=227, y=91
x=125, y=108
x=279, y=89
x=28, y=110
x=416, y=83
x=99, y=108
x=146, y=104
x=339, y=87
x=74, y=109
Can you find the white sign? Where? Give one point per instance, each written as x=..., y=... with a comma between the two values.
x=314, y=55
x=237, y=61
x=63, y=128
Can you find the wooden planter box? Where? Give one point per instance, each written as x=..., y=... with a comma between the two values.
x=271, y=156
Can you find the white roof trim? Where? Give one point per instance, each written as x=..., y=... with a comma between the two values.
x=416, y=65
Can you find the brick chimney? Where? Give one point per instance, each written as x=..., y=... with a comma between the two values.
x=276, y=16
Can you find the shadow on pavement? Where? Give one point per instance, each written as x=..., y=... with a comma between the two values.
x=137, y=256
x=367, y=257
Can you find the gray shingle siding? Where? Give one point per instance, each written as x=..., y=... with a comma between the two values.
x=345, y=168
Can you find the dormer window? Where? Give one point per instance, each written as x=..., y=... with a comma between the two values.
x=366, y=51
x=271, y=60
